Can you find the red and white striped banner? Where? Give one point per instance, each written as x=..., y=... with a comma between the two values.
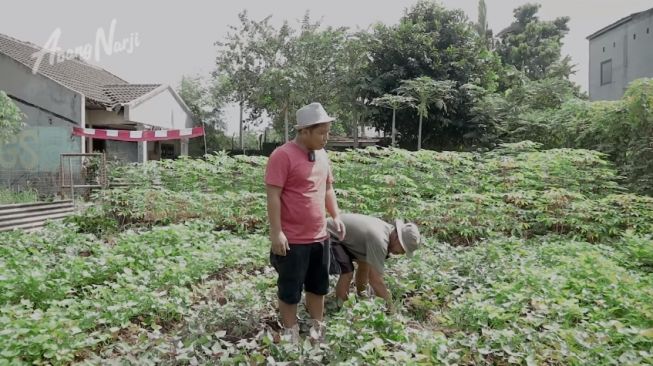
x=136, y=136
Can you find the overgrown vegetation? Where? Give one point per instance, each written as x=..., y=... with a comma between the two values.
x=622, y=129
x=11, y=118
x=263, y=69
x=455, y=85
x=531, y=257
x=8, y=196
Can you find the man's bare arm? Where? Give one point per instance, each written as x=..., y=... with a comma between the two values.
x=378, y=285
x=277, y=237
x=332, y=207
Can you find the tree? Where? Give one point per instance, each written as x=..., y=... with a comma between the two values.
x=435, y=42
x=242, y=59
x=393, y=102
x=281, y=95
x=353, y=98
x=205, y=102
x=300, y=66
x=11, y=118
x=426, y=92
x=277, y=86
x=533, y=45
x=314, y=55
x=484, y=33
x=487, y=112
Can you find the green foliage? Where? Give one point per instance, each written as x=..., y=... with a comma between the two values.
x=427, y=93
x=533, y=45
x=11, y=118
x=268, y=69
x=484, y=33
x=205, y=102
x=94, y=221
x=438, y=43
x=265, y=69
x=62, y=292
x=530, y=256
x=393, y=102
x=621, y=129
x=9, y=196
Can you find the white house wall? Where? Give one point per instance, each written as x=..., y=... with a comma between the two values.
x=162, y=110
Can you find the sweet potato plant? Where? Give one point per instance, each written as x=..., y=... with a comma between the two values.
x=530, y=256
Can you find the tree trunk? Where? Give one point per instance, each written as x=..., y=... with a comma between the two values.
x=419, y=134
x=394, y=131
x=362, y=124
x=356, y=130
x=241, y=125
x=285, y=123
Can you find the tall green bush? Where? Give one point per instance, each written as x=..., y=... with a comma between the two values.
x=621, y=129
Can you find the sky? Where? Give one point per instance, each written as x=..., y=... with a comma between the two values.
x=173, y=39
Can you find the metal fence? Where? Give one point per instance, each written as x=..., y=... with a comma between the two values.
x=43, y=183
x=82, y=171
x=76, y=176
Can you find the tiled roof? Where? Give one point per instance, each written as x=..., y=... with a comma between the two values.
x=101, y=88
x=125, y=93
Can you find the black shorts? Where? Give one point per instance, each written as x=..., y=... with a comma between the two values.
x=304, y=266
x=342, y=256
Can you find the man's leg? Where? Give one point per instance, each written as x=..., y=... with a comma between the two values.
x=316, y=284
x=342, y=287
x=288, y=314
x=362, y=276
x=314, y=305
x=291, y=269
x=344, y=259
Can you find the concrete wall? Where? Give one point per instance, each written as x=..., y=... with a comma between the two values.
x=122, y=151
x=104, y=118
x=115, y=150
x=640, y=49
x=632, y=58
x=37, y=149
x=19, y=81
x=608, y=46
x=51, y=111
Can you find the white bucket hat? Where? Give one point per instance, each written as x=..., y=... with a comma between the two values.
x=310, y=115
x=409, y=237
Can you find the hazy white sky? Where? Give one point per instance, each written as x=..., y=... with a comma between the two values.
x=177, y=38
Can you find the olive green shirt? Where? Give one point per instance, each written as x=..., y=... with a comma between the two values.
x=366, y=237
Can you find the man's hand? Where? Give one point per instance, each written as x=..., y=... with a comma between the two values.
x=340, y=227
x=279, y=243
x=390, y=307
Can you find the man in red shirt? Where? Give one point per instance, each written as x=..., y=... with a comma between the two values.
x=299, y=190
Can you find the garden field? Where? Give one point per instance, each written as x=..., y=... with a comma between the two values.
x=530, y=257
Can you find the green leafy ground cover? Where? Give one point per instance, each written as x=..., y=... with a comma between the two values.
x=530, y=257
x=8, y=197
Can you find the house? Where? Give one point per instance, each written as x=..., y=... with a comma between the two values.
x=58, y=96
x=620, y=53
